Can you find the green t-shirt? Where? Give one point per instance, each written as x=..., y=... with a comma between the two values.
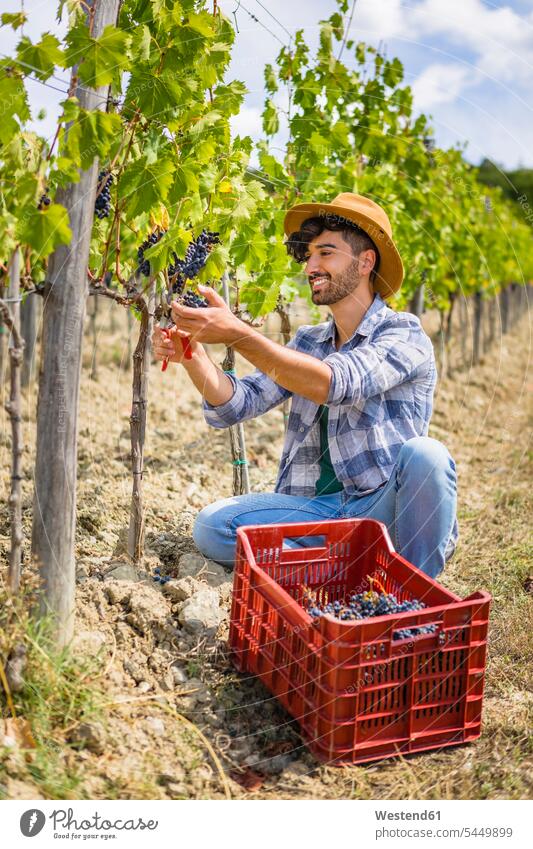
x=327, y=482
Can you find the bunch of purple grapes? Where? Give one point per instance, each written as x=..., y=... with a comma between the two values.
x=191, y=299
x=194, y=260
x=102, y=204
x=365, y=605
x=44, y=200
x=144, y=264
x=181, y=270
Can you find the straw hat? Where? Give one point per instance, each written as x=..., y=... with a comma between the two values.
x=371, y=218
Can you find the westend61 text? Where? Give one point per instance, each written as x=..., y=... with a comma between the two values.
x=407, y=815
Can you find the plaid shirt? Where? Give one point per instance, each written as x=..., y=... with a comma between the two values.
x=381, y=394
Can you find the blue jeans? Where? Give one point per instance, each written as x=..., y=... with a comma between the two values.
x=417, y=504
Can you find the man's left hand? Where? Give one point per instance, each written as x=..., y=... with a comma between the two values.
x=212, y=324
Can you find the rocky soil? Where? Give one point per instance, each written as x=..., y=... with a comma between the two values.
x=175, y=719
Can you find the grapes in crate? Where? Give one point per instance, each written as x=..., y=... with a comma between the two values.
x=359, y=606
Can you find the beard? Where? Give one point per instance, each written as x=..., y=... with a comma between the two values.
x=339, y=286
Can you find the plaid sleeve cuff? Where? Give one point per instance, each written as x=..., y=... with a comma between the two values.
x=227, y=414
x=343, y=382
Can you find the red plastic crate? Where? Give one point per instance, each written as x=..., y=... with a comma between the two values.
x=358, y=692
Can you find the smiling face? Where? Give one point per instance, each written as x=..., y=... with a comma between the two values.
x=333, y=271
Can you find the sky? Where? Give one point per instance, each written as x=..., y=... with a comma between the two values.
x=469, y=62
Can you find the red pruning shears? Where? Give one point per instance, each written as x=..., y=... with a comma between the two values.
x=185, y=344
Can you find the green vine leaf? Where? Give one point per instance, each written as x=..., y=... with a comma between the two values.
x=14, y=102
x=44, y=229
x=145, y=184
x=42, y=56
x=156, y=95
x=92, y=134
x=270, y=119
x=15, y=20
x=260, y=296
x=101, y=60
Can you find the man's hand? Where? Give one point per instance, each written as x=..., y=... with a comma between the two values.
x=211, y=382
x=215, y=323
x=170, y=349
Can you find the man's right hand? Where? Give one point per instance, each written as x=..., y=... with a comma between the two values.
x=210, y=381
x=166, y=345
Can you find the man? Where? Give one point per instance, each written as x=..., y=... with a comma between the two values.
x=362, y=392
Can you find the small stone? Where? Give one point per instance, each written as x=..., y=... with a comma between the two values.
x=144, y=687
x=182, y=589
x=149, y=612
x=179, y=676
x=201, y=614
x=122, y=633
x=88, y=643
x=215, y=575
x=137, y=673
x=177, y=790
x=167, y=682
x=191, y=564
x=89, y=735
x=120, y=571
x=155, y=725
x=201, y=693
x=15, y=666
x=118, y=593
x=225, y=591
x=175, y=777
x=82, y=573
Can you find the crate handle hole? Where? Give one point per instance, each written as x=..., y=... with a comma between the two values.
x=304, y=542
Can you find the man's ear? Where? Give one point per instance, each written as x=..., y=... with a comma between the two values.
x=368, y=260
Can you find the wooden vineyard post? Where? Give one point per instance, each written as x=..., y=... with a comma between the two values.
x=28, y=329
x=65, y=294
x=463, y=327
x=94, y=340
x=141, y=368
x=448, y=334
x=11, y=319
x=478, y=320
x=285, y=328
x=515, y=303
x=504, y=308
x=129, y=327
x=442, y=364
x=417, y=302
x=3, y=332
x=491, y=321
x=241, y=477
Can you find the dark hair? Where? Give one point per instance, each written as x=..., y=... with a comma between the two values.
x=356, y=237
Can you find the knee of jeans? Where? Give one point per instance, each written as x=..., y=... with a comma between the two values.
x=425, y=455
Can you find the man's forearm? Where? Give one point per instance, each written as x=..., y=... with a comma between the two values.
x=298, y=372
x=210, y=381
